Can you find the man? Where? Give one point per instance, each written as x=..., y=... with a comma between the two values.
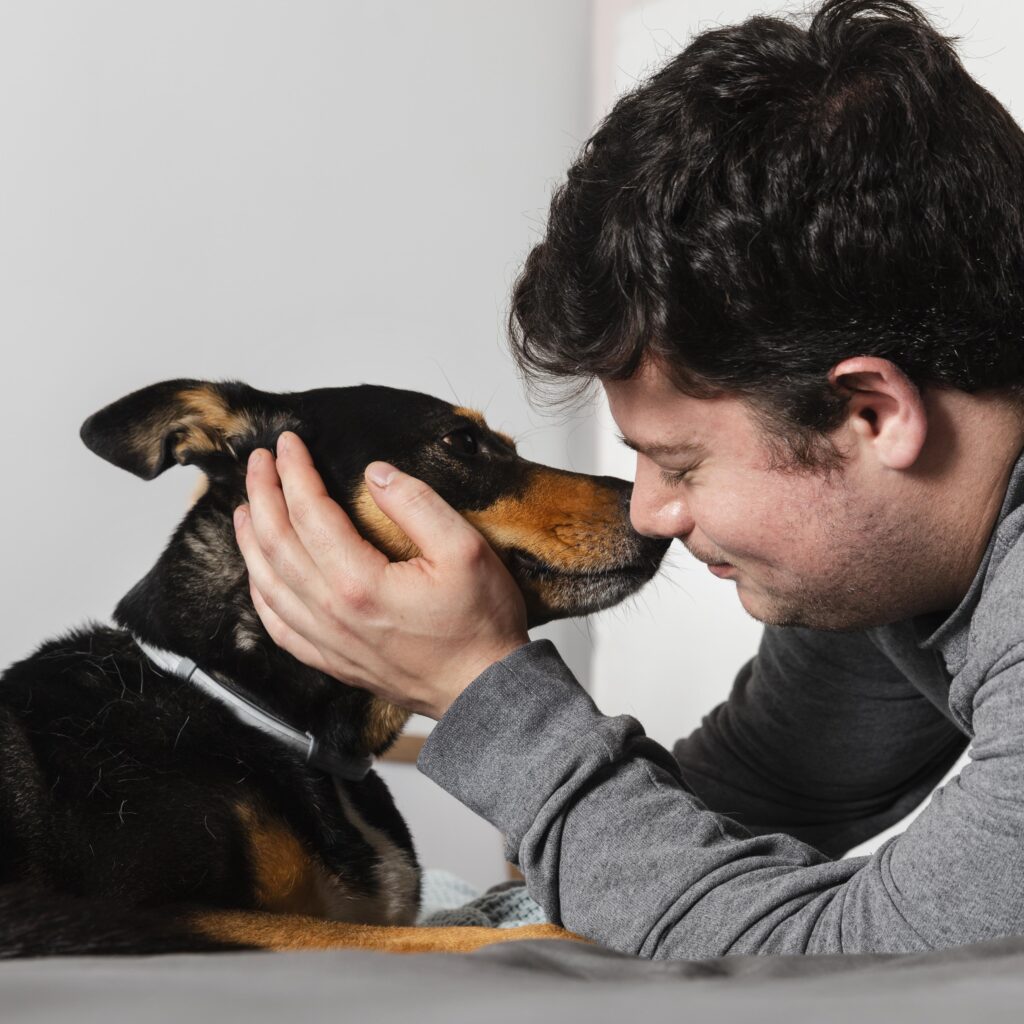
x=795, y=261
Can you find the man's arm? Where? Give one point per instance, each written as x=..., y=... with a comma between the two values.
x=822, y=738
x=615, y=847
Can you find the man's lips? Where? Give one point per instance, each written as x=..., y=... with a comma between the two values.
x=718, y=568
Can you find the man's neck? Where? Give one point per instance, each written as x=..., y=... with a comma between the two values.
x=984, y=452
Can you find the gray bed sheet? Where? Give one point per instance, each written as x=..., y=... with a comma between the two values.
x=519, y=983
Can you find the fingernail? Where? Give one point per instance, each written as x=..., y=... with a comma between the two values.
x=254, y=457
x=380, y=473
x=241, y=514
x=283, y=443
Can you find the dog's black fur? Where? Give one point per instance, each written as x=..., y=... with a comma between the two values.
x=133, y=808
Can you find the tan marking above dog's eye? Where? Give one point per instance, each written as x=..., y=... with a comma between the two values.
x=463, y=412
x=462, y=441
x=506, y=440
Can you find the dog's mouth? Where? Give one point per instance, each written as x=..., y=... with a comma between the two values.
x=529, y=567
x=554, y=592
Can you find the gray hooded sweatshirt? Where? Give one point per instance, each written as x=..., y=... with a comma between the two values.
x=730, y=843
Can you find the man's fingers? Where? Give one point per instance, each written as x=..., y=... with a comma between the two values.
x=283, y=635
x=272, y=527
x=320, y=522
x=429, y=521
x=275, y=592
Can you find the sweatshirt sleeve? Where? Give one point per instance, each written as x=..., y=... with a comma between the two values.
x=616, y=847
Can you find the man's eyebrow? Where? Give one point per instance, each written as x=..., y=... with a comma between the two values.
x=694, y=448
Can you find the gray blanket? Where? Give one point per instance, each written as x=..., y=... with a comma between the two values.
x=518, y=982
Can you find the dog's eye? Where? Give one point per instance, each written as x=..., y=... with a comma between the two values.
x=462, y=441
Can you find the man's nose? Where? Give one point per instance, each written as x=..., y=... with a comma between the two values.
x=655, y=512
x=669, y=520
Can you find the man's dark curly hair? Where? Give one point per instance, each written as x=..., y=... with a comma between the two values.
x=778, y=198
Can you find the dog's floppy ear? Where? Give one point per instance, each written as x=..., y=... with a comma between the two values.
x=185, y=422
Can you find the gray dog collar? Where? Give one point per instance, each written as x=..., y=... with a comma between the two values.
x=305, y=744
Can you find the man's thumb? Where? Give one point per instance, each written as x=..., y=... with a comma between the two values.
x=416, y=509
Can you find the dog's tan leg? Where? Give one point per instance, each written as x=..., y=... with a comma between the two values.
x=293, y=932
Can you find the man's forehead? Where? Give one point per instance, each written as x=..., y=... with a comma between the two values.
x=654, y=418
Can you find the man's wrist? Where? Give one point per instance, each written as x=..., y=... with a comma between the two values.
x=472, y=671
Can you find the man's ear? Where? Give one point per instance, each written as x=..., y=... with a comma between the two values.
x=186, y=422
x=885, y=409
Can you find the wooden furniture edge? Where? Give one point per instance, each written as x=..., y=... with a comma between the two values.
x=405, y=749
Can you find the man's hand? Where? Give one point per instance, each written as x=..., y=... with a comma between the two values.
x=415, y=633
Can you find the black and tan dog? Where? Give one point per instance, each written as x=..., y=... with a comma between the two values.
x=138, y=812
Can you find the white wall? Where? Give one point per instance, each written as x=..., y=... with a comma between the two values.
x=291, y=193
x=295, y=193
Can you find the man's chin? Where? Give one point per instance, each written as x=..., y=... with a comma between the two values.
x=772, y=613
x=758, y=607
x=788, y=614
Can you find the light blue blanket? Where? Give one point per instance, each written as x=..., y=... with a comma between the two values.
x=449, y=900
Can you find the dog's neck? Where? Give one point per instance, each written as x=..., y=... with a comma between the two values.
x=314, y=752
x=195, y=602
